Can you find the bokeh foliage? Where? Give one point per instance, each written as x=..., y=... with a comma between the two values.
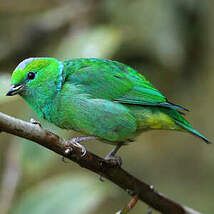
x=170, y=42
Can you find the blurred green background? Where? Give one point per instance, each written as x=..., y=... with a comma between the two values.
x=170, y=42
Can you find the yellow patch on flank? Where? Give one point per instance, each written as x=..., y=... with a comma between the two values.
x=160, y=120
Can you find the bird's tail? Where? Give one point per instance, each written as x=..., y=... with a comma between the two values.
x=180, y=121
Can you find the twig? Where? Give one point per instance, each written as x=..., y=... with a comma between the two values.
x=130, y=205
x=94, y=163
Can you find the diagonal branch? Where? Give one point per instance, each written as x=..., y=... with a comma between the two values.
x=94, y=163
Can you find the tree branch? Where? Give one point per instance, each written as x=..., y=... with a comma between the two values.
x=94, y=163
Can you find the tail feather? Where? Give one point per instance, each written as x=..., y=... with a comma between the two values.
x=180, y=121
x=192, y=130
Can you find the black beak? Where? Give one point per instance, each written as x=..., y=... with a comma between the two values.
x=14, y=89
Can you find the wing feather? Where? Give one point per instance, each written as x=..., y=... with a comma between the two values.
x=115, y=81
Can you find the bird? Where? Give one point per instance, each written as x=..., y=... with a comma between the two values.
x=99, y=98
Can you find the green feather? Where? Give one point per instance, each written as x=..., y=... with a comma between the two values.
x=179, y=120
x=96, y=97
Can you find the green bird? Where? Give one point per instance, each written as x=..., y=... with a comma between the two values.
x=99, y=98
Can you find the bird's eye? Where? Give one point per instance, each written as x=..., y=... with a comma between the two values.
x=31, y=75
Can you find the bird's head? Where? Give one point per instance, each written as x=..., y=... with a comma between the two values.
x=34, y=73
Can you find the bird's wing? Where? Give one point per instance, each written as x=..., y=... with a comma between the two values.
x=115, y=81
x=144, y=93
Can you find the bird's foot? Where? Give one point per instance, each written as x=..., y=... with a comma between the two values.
x=69, y=149
x=111, y=158
x=76, y=142
x=35, y=122
x=114, y=160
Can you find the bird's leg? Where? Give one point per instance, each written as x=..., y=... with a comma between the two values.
x=76, y=142
x=110, y=157
x=116, y=160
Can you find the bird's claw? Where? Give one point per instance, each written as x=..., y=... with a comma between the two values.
x=114, y=160
x=75, y=142
x=82, y=148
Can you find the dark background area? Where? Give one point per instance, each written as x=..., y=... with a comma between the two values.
x=170, y=42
